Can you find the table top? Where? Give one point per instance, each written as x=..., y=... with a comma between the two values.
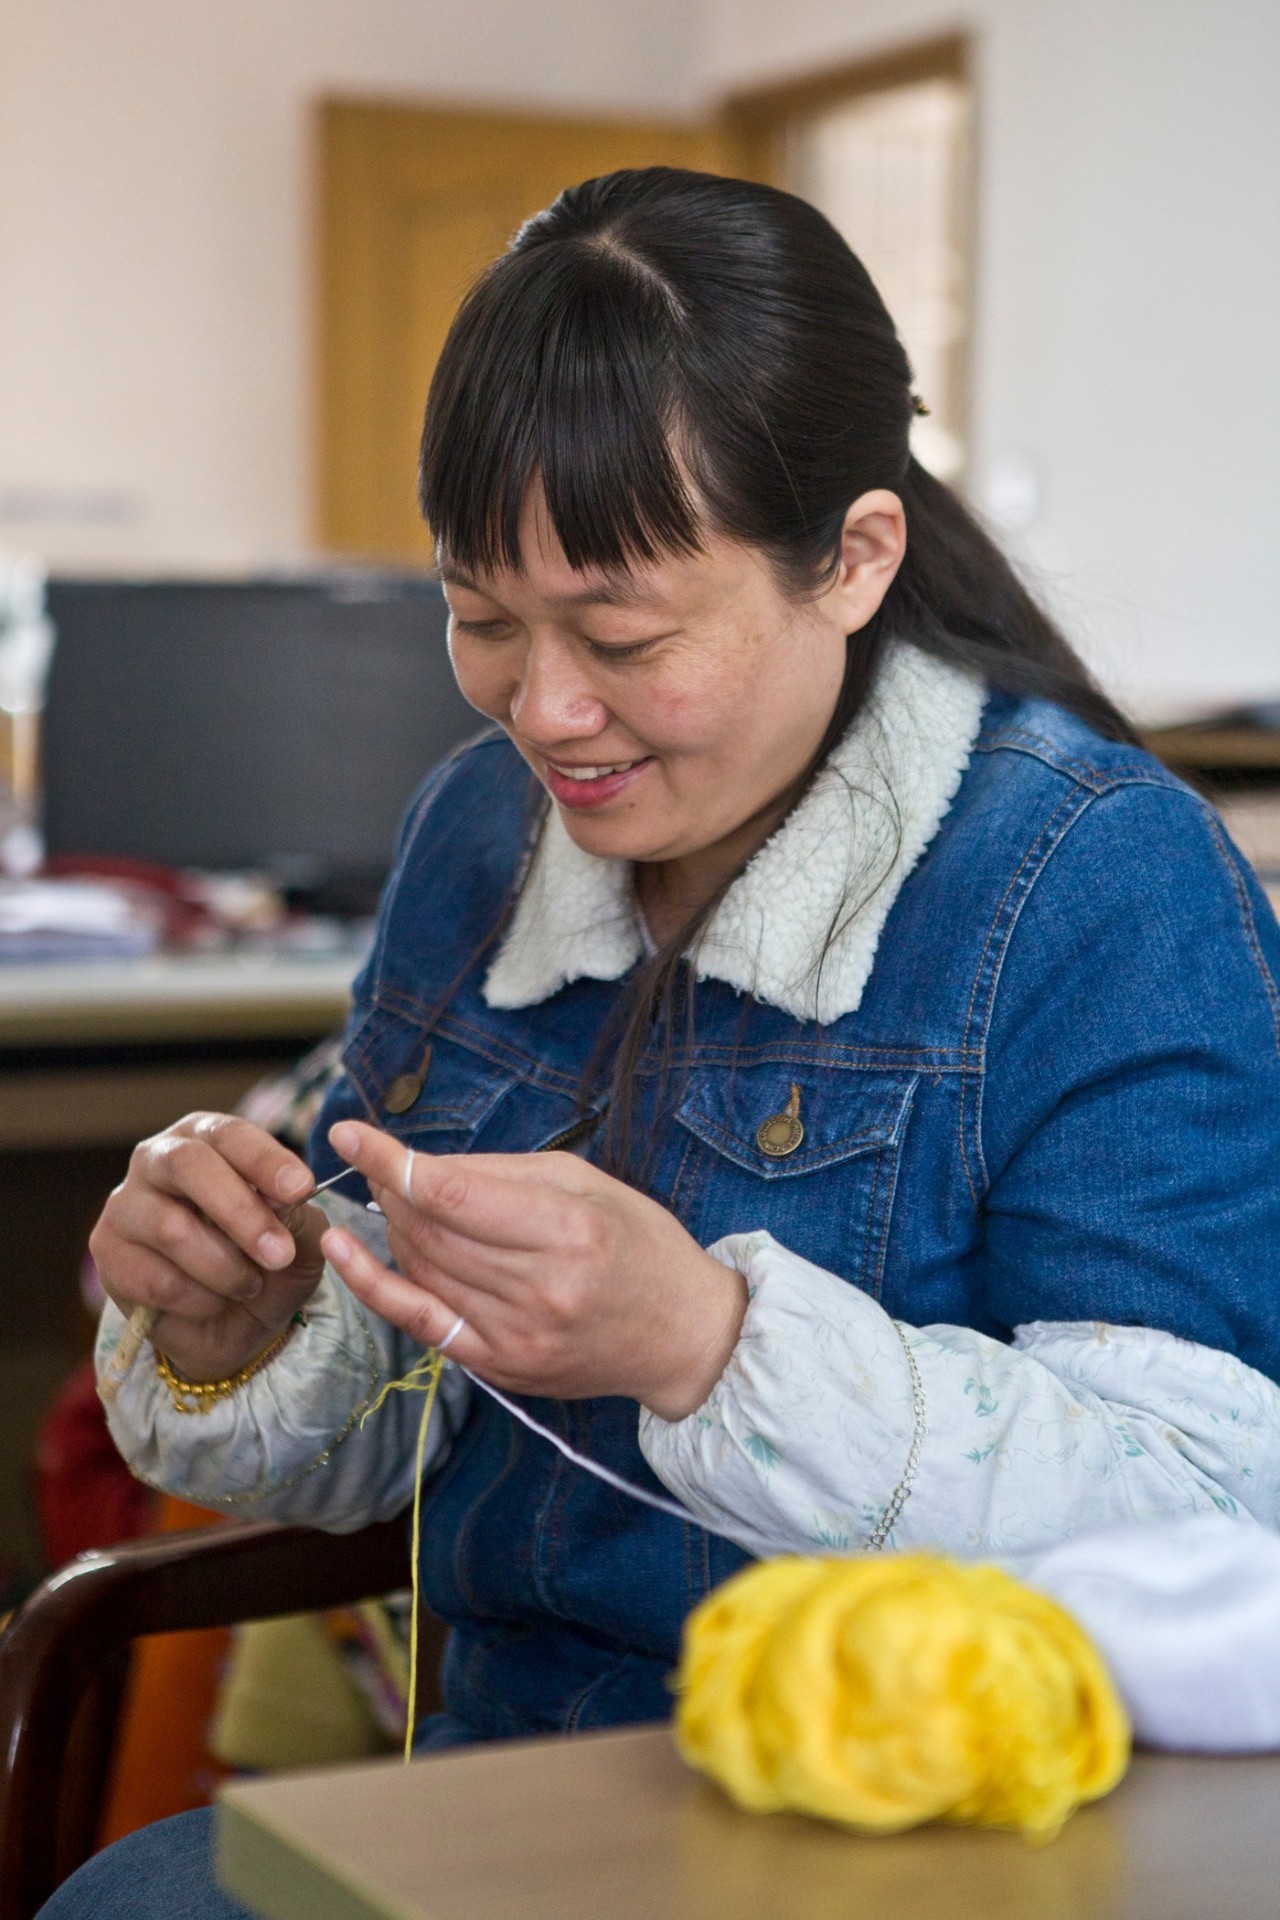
x=173, y=997
x=614, y=1827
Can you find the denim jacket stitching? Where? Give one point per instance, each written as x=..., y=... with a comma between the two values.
x=894, y=1164
x=526, y=1067
x=547, y=1534
x=986, y=977
x=845, y=1148
x=844, y=1058
x=454, y=1029
x=688, y=1180
x=454, y=1465
x=1248, y=925
x=869, y=1278
x=1076, y=768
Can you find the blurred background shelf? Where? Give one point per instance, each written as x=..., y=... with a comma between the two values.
x=173, y=998
x=1221, y=756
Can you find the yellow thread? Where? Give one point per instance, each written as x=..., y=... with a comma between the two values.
x=882, y=1692
x=420, y=1378
x=424, y=1378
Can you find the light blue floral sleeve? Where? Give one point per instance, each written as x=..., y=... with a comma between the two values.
x=292, y=1443
x=831, y=1419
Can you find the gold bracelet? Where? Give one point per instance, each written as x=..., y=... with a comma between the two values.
x=199, y=1396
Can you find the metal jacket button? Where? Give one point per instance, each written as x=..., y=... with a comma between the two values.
x=406, y=1087
x=782, y=1133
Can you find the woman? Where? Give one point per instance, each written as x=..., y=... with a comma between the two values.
x=901, y=1039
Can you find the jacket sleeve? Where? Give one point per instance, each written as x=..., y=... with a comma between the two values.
x=294, y=1442
x=832, y=1418
x=1125, y=1183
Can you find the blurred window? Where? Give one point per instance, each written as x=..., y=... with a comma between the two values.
x=890, y=169
x=885, y=149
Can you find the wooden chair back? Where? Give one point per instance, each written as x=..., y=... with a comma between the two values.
x=64, y=1656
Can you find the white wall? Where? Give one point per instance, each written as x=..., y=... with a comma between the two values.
x=155, y=291
x=1128, y=302
x=155, y=226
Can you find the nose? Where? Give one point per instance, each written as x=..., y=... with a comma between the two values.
x=554, y=700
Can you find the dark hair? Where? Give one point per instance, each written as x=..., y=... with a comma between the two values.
x=653, y=323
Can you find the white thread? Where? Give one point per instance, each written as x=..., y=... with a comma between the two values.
x=610, y=1478
x=443, y=1346
x=332, y=1181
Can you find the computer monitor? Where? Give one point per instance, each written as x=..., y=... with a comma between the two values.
x=277, y=724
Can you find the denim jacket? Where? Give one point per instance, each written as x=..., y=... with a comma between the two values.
x=1011, y=1279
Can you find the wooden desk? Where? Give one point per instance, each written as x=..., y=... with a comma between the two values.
x=104, y=1055
x=613, y=1827
x=172, y=998
x=101, y=1055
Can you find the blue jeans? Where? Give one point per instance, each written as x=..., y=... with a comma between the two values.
x=165, y=1871
x=154, y=1874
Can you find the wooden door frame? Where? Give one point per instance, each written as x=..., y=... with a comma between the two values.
x=754, y=118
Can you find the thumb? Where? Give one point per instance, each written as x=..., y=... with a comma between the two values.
x=382, y=1160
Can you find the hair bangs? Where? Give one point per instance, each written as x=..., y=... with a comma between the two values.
x=558, y=371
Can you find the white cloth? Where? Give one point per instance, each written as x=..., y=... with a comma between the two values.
x=1187, y=1616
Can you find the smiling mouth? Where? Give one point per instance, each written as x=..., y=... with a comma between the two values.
x=586, y=788
x=592, y=773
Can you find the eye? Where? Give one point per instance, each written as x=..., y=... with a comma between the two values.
x=619, y=650
x=482, y=629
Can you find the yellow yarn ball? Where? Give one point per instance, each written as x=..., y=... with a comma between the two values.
x=885, y=1691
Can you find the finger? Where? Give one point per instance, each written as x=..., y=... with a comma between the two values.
x=458, y=1279
x=270, y=1167
x=170, y=1227
x=459, y=1190
x=193, y=1168
x=382, y=1159
x=145, y=1278
x=423, y=1246
x=414, y=1309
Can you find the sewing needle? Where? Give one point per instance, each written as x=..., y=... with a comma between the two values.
x=143, y=1319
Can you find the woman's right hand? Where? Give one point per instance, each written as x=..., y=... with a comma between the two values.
x=193, y=1232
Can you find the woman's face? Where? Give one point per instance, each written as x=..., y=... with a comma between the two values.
x=669, y=710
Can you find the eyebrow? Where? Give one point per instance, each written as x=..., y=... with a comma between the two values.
x=616, y=592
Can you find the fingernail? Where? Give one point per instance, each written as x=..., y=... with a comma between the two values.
x=274, y=1250
x=293, y=1182
x=336, y=1245
x=344, y=1139
x=371, y=1206
x=253, y=1286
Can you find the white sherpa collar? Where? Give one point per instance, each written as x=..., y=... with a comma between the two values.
x=837, y=862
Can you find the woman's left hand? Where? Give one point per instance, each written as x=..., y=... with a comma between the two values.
x=570, y=1283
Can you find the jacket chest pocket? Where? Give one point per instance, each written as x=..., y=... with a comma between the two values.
x=809, y=1155
x=444, y=1096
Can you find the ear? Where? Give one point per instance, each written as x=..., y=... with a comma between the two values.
x=872, y=543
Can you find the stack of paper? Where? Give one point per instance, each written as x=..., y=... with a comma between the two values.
x=73, y=920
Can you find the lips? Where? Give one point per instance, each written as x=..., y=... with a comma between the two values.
x=585, y=788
